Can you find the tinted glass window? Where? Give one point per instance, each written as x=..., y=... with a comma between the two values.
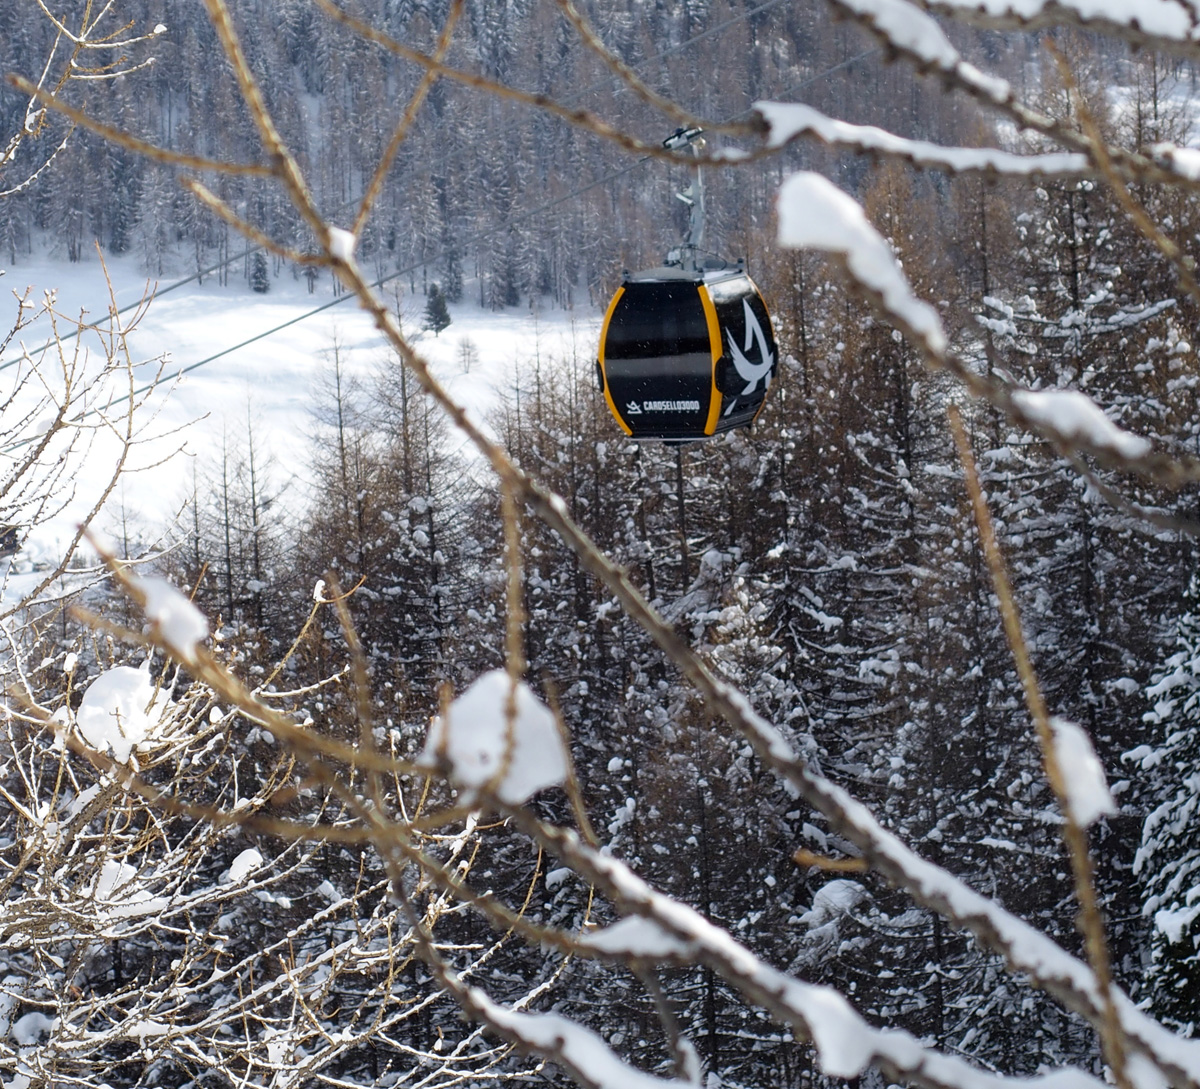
x=657, y=319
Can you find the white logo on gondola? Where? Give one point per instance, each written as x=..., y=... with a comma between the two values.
x=633, y=408
x=750, y=372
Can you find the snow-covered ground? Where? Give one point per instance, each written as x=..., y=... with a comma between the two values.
x=277, y=379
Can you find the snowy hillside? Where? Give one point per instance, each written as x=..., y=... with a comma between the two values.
x=229, y=354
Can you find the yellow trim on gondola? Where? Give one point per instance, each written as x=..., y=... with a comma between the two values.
x=718, y=350
x=612, y=306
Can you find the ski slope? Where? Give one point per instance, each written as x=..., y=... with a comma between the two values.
x=229, y=356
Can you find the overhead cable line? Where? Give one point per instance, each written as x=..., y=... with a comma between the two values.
x=487, y=232
x=671, y=51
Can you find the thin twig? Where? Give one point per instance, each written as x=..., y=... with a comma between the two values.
x=132, y=143
x=1091, y=922
x=406, y=121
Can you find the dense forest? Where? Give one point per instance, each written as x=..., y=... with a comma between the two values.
x=456, y=207
x=826, y=563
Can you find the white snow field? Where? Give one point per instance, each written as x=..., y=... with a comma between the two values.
x=275, y=379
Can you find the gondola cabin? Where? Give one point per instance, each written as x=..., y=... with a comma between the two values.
x=686, y=353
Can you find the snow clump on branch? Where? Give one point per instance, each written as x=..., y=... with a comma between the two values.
x=122, y=709
x=1076, y=417
x=814, y=214
x=486, y=744
x=1088, y=796
x=178, y=623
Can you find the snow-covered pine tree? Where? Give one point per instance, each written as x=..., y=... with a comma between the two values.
x=437, y=313
x=260, y=274
x=1168, y=861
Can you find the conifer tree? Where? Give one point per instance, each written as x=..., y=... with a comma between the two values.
x=1168, y=860
x=260, y=275
x=437, y=313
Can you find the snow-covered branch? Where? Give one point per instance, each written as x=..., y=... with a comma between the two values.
x=909, y=32
x=815, y=214
x=281, y=965
x=1153, y=24
x=788, y=121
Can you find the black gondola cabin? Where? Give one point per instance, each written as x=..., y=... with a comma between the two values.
x=686, y=353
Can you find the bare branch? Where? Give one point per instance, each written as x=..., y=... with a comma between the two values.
x=132, y=143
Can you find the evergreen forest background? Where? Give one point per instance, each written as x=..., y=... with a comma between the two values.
x=827, y=563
